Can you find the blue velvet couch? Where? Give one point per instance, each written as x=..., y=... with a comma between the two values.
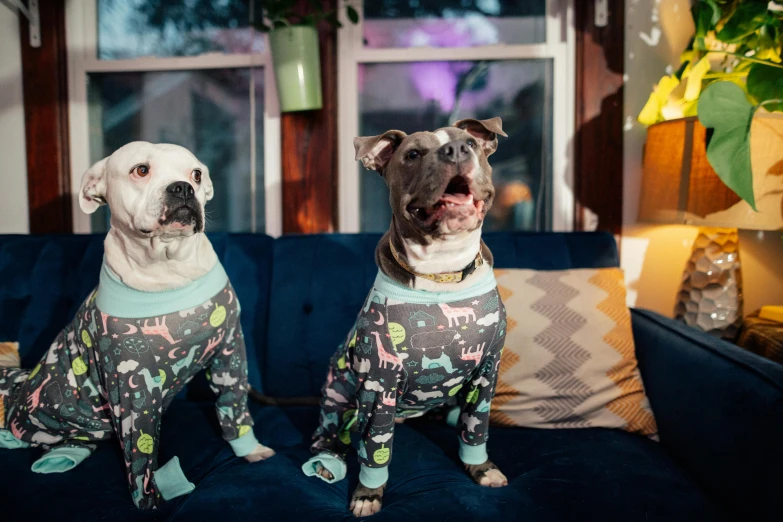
x=719, y=409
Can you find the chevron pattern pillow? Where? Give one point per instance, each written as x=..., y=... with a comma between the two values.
x=569, y=360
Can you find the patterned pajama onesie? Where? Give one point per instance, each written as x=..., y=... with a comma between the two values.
x=115, y=369
x=408, y=352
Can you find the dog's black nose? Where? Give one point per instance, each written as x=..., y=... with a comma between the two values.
x=182, y=190
x=454, y=151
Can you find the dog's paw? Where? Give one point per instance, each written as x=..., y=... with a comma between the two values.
x=366, y=501
x=325, y=473
x=260, y=453
x=487, y=475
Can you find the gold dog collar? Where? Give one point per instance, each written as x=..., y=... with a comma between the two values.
x=445, y=277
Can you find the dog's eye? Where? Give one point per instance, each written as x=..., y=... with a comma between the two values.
x=472, y=143
x=141, y=170
x=197, y=176
x=412, y=154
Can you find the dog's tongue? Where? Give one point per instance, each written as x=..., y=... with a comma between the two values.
x=457, y=199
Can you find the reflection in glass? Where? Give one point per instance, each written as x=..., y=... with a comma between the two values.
x=428, y=95
x=453, y=23
x=206, y=111
x=136, y=28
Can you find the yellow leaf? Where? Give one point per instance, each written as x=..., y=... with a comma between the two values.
x=651, y=113
x=695, y=77
x=690, y=108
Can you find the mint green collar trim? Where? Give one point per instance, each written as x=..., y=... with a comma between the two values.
x=117, y=299
x=391, y=289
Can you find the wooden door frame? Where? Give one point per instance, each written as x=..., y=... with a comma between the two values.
x=309, y=139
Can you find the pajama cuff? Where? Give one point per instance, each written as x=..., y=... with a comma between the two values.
x=333, y=464
x=60, y=460
x=473, y=455
x=8, y=441
x=171, y=480
x=244, y=445
x=373, y=477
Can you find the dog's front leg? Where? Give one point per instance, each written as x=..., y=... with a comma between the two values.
x=228, y=379
x=487, y=474
x=366, y=501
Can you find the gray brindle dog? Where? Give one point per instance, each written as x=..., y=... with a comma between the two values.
x=440, y=190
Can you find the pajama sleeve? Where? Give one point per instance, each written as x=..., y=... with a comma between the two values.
x=379, y=370
x=140, y=408
x=473, y=422
x=228, y=380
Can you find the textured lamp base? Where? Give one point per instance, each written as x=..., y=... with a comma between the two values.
x=710, y=297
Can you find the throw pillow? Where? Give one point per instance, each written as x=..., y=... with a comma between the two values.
x=569, y=360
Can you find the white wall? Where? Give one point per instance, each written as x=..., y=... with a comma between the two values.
x=13, y=166
x=654, y=256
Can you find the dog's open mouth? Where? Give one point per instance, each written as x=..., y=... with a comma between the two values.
x=184, y=216
x=457, y=197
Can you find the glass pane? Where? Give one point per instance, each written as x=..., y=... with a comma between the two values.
x=453, y=23
x=208, y=112
x=428, y=95
x=135, y=28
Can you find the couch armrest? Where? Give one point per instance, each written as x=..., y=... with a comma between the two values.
x=719, y=411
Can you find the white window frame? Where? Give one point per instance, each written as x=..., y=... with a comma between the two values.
x=81, y=21
x=560, y=46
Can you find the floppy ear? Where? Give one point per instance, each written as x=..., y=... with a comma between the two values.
x=376, y=151
x=92, y=193
x=485, y=131
x=206, y=182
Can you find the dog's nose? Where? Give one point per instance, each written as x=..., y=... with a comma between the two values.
x=454, y=151
x=181, y=189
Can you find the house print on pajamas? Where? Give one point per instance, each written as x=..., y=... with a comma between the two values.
x=107, y=376
x=402, y=359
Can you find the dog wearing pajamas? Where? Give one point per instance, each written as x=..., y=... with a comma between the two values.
x=163, y=311
x=432, y=329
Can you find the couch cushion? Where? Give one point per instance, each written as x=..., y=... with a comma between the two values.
x=569, y=359
x=554, y=475
x=320, y=282
x=44, y=279
x=97, y=489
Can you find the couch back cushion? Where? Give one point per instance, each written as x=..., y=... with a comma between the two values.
x=44, y=279
x=320, y=282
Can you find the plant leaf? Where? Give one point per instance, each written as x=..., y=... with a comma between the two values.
x=703, y=13
x=353, y=15
x=766, y=83
x=748, y=17
x=724, y=107
x=695, y=77
x=651, y=113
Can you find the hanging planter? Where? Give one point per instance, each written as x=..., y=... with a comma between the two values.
x=293, y=38
x=297, y=67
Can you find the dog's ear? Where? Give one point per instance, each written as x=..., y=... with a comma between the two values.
x=92, y=193
x=485, y=131
x=206, y=182
x=376, y=151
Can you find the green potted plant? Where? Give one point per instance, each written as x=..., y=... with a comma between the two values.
x=731, y=76
x=293, y=38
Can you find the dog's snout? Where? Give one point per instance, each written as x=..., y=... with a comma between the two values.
x=454, y=151
x=182, y=190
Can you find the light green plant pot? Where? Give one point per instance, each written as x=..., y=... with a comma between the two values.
x=297, y=68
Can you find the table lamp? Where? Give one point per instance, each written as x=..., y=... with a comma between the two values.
x=680, y=187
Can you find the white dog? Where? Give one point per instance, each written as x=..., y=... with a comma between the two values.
x=117, y=366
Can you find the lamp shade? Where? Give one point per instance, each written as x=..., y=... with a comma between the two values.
x=680, y=186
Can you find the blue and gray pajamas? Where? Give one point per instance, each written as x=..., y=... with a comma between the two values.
x=408, y=352
x=114, y=370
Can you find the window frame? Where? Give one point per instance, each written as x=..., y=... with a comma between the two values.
x=560, y=47
x=81, y=20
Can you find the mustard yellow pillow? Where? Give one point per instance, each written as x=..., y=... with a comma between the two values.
x=569, y=360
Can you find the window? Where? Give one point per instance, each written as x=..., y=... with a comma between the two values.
x=422, y=64
x=193, y=73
